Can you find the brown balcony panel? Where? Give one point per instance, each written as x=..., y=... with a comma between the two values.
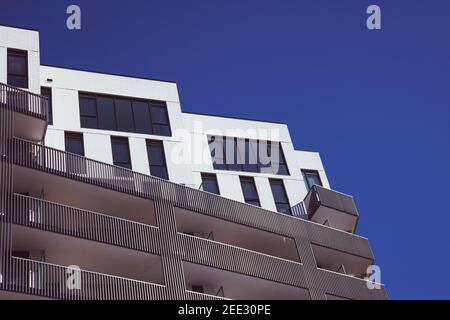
x=74, y=222
x=230, y=285
x=33, y=278
x=242, y=261
x=331, y=208
x=89, y=255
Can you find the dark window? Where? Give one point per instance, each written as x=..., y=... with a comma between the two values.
x=74, y=144
x=249, y=191
x=47, y=92
x=121, y=152
x=277, y=160
x=88, y=112
x=251, y=156
x=106, y=113
x=280, y=196
x=142, y=117
x=160, y=119
x=236, y=154
x=311, y=178
x=124, y=114
x=18, y=68
x=209, y=183
x=217, y=147
x=157, y=159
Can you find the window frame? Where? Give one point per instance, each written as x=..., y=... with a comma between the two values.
x=120, y=164
x=250, y=180
x=150, y=105
x=273, y=182
x=50, y=102
x=21, y=54
x=160, y=144
x=210, y=176
x=70, y=134
x=306, y=172
x=87, y=96
x=258, y=167
x=78, y=164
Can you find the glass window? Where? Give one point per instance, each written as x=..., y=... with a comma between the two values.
x=278, y=162
x=106, y=113
x=124, y=115
x=249, y=191
x=251, y=156
x=18, y=68
x=121, y=152
x=232, y=157
x=157, y=159
x=142, y=117
x=74, y=143
x=47, y=92
x=311, y=178
x=88, y=112
x=209, y=183
x=217, y=148
x=248, y=155
x=280, y=196
x=160, y=119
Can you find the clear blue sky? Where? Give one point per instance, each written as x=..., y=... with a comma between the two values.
x=376, y=104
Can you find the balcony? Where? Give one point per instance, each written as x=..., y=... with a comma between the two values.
x=230, y=285
x=62, y=250
x=331, y=208
x=78, y=223
x=341, y=262
x=237, y=235
x=27, y=278
x=30, y=112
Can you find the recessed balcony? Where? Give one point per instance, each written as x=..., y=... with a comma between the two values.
x=30, y=112
x=331, y=208
x=341, y=262
x=30, y=279
x=57, y=218
x=230, y=285
x=62, y=250
x=234, y=234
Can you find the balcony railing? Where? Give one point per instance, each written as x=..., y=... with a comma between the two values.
x=53, y=281
x=78, y=168
x=53, y=217
x=332, y=208
x=24, y=102
x=37, y=156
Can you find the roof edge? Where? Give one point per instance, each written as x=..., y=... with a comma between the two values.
x=107, y=73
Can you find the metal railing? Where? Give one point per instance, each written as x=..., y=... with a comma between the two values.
x=45, y=159
x=37, y=156
x=23, y=101
x=319, y=196
x=53, y=217
x=53, y=281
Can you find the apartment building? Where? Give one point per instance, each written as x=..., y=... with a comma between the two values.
x=110, y=191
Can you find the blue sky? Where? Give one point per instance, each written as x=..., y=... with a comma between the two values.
x=376, y=104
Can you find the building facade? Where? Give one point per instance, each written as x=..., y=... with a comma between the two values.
x=110, y=191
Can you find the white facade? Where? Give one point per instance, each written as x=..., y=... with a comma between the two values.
x=186, y=127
